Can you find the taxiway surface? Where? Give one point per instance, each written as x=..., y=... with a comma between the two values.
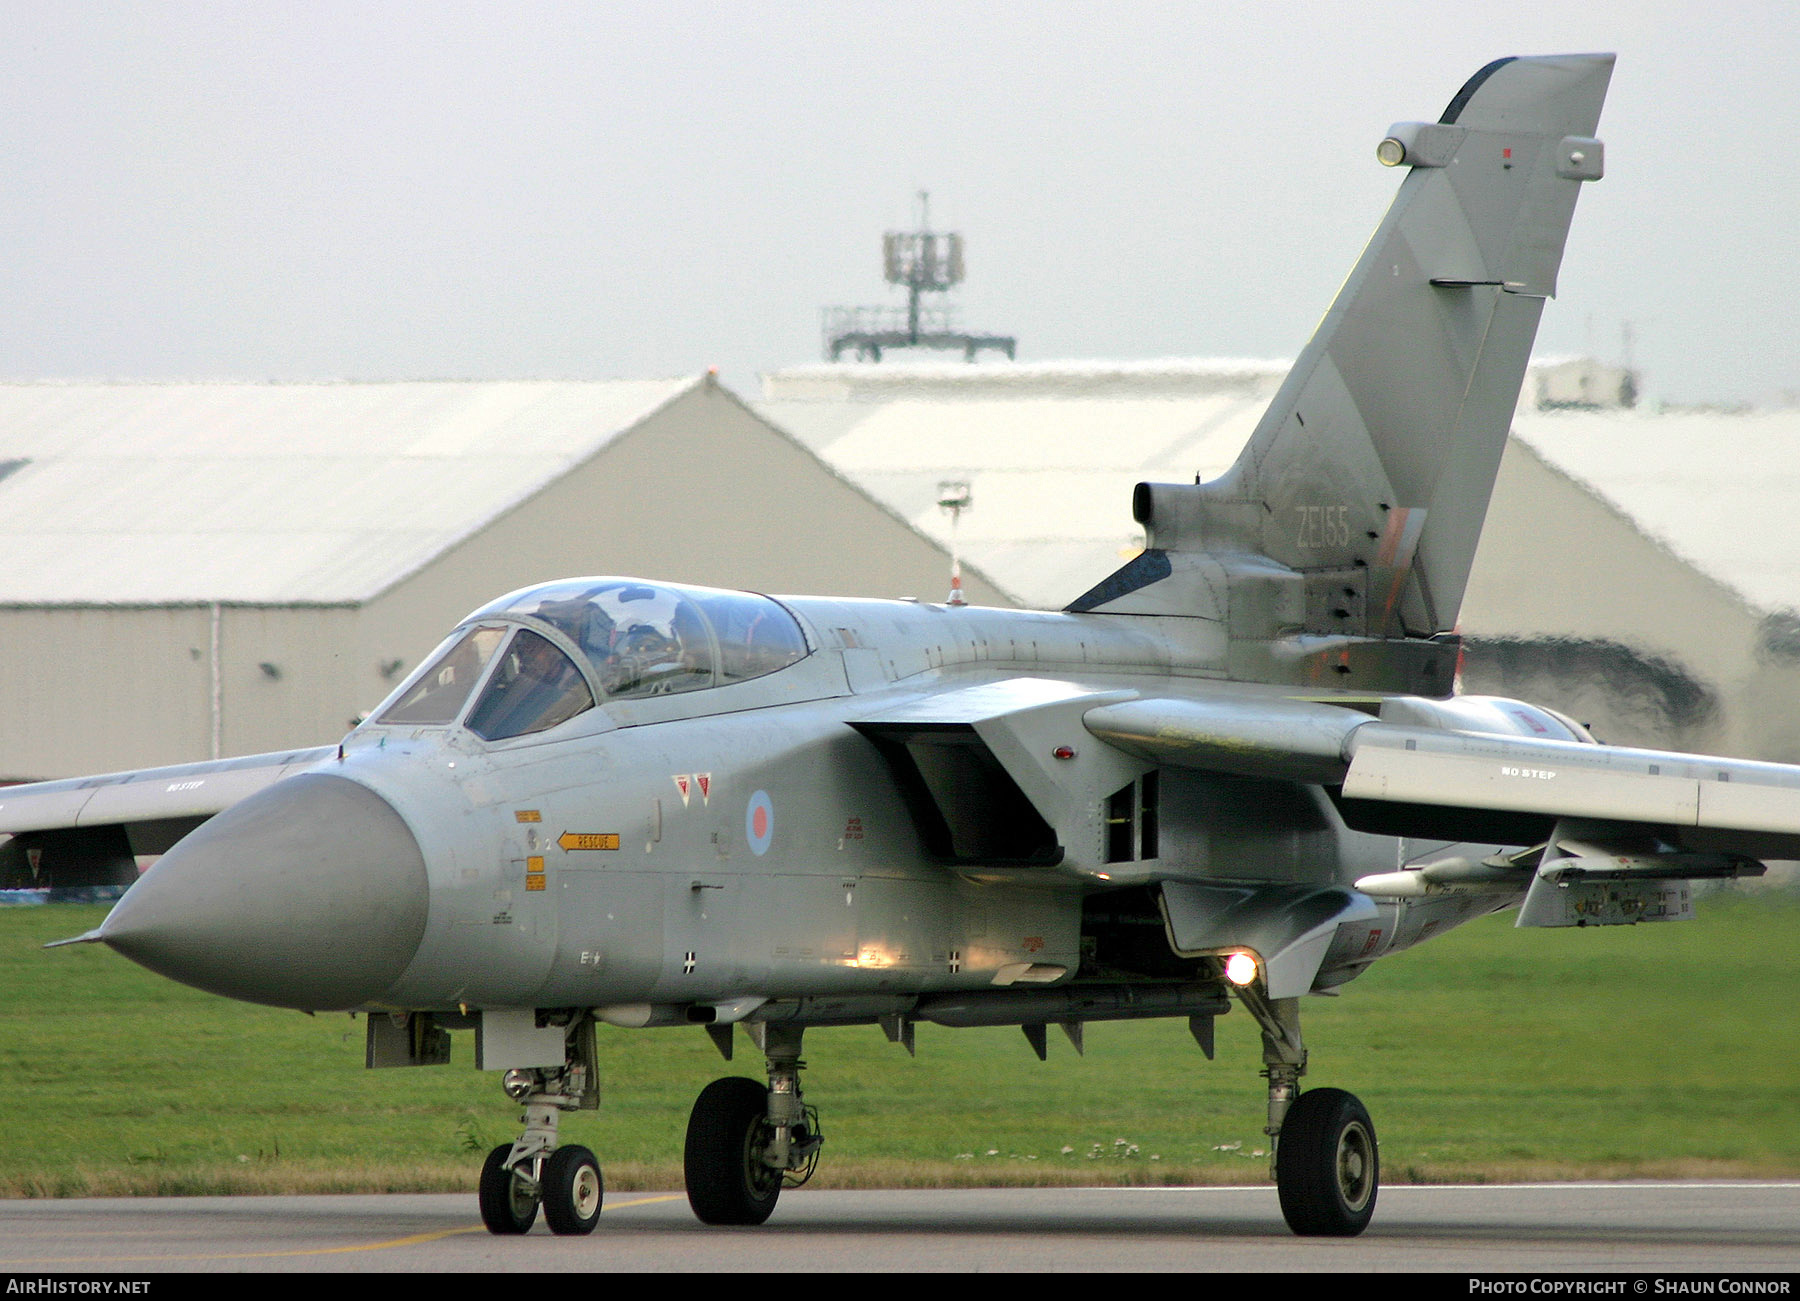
x=1638, y=1228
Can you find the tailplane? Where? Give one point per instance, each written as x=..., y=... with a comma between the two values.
x=1357, y=504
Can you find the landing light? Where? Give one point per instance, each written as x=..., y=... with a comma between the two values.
x=1240, y=968
x=518, y=1083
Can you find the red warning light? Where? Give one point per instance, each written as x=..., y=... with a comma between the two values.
x=1064, y=752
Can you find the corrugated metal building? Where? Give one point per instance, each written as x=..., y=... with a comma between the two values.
x=1643, y=569
x=1638, y=570
x=1051, y=450
x=201, y=569
x=226, y=568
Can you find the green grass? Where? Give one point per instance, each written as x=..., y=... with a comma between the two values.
x=1492, y=1053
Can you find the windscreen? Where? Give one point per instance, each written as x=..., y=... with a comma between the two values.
x=438, y=694
x=534, y=687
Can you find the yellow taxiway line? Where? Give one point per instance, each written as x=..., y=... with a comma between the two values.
x=411, y=1240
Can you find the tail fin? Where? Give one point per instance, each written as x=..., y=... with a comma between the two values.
x=1368, y=478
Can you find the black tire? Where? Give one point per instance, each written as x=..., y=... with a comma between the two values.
x=1328, y=1165
x=726, y=1184
x=508, y=1205
x=572, y=1191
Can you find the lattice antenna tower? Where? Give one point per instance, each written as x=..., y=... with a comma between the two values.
x=922, y=261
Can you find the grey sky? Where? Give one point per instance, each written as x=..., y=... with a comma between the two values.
x=492, y=190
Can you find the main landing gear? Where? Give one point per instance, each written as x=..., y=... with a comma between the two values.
x=518, y=1178
x=745, y=1143
x=1326, y=1163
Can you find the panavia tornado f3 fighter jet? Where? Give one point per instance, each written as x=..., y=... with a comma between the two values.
x=615, y=800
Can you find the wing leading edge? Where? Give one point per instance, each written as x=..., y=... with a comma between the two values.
x=87, y=831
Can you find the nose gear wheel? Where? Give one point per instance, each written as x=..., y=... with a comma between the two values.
x=509, y=1198
x=572, y=1190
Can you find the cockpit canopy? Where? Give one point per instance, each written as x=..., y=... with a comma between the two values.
x=630, y=640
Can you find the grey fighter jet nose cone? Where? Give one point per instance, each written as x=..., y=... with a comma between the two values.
x=310, y=894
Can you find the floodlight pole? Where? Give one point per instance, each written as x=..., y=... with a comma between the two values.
x=954, y=498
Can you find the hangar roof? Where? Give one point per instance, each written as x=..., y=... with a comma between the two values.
x=1052, y=451
x=160, y=494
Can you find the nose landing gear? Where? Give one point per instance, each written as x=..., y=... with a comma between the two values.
x=517, y=1178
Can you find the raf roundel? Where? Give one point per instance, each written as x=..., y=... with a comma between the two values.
x=759, y=823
